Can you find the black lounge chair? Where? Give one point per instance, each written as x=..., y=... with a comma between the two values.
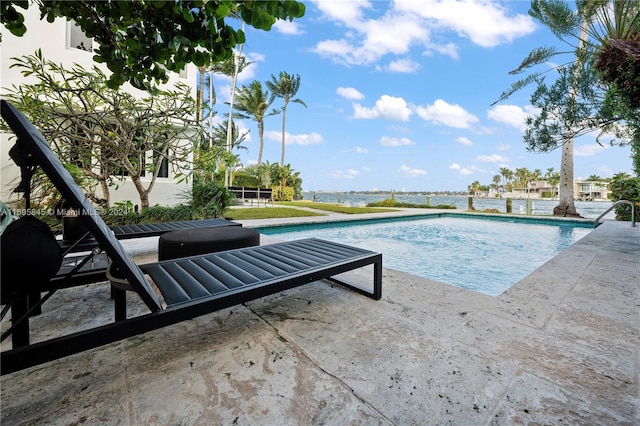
x=190, y=286
x=94, y=265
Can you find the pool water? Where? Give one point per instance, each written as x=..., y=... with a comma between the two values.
x=487, y=256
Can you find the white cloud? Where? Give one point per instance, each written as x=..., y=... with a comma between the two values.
x=287, y=27
x=349, y=93
x=360, y=150
x=409, y=172
x=462, y=170
x=346, y=11
x=487, y=24
x=344, y=174
x=403, y=66
x=464, y=141
x=389, y=141
x=449, y=49
x=588, y=150
x=388, y=107
x=408, y=23
x=493, y=158
x=450, y=115
x=511, y=115
x=367, y=40
x=289, y=139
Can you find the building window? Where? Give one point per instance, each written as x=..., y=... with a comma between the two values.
x=76, y=39
x=163, y=172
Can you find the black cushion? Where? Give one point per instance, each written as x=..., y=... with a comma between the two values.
x=191, y=242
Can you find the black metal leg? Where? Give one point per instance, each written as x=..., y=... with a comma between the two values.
x=34, y=298
x=119, y=303
x=19, y=309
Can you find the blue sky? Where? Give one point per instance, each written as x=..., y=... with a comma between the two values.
x=399, y=95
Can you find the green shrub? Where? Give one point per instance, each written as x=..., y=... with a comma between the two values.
x=246, y=180
x=625, y=187
x=209, y=199
x=391, y=202
x=286, y=195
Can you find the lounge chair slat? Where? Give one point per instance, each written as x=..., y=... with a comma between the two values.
x=267, y=262
x=291, y=258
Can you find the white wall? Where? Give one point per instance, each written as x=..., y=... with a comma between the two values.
x=52, y=38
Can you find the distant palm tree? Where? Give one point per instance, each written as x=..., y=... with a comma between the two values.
x=285, y=87
x=252, y=103
x=496, y=181
x=474, y=188
x=508, y=175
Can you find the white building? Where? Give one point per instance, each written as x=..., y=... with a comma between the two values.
x=64, y=43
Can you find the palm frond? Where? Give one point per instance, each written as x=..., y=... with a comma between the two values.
x=537, y=56
x=518, y=85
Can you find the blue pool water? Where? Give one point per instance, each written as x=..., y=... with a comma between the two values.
x=487, y=256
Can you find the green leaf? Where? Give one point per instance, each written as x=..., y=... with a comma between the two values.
x=535, y=57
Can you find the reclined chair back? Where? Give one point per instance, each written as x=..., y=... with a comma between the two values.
x=34, y=143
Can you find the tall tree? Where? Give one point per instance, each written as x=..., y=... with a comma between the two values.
x=578, y=101
x=285, y=86
x=140, y=40
x=253, y=103
x=474, y=188
x=496, y=181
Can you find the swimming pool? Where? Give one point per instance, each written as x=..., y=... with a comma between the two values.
x=485, y=255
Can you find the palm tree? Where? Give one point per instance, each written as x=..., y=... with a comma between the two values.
x=212, y=154
x=522, y=175
x=504, y=172
x=496, y=181
x=252, y=103
x=474, y=187
x=285, y=87
x=575, y=103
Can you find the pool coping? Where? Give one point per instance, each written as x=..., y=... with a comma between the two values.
x=404, y=214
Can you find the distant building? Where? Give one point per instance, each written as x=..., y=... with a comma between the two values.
x=591, y=190
x=534, y=189
x=64, y=43
x=582, y=190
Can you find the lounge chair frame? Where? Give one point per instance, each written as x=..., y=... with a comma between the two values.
x=191, y=287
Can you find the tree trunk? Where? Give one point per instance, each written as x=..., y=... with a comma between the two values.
x=261, y=135
x=105, y=193
x=566, y=206
x=201, y=94
x=284, y=116
x=144, y=193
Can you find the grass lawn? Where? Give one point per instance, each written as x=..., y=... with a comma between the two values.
x=333, y=207
x=267, y=213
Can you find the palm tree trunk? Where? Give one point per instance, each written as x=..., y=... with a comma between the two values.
x=566, y=206
x=284, y=118
x=261, y=135
x=201, y=95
